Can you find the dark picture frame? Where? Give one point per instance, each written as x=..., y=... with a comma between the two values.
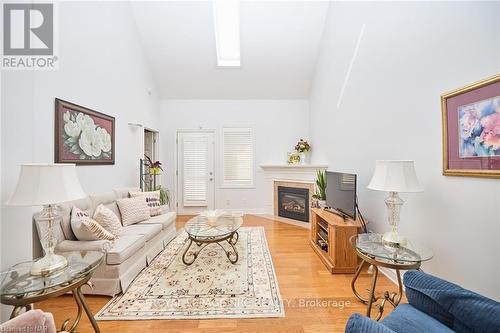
x=471, y=143
x=83, y=136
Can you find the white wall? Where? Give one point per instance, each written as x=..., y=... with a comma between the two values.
x=101, y=67
x=410, y=54
x=277, y=124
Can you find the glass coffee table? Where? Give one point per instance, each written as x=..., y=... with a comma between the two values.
x=203, y=231
x=21, y=289
x=372, y=251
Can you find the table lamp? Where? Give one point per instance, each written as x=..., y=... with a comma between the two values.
x=47, y=185
x=394, y=177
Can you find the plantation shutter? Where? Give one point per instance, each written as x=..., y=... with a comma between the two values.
x=238, y=157
x=195, y=158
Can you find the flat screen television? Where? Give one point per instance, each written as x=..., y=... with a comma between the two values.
x=341, y=193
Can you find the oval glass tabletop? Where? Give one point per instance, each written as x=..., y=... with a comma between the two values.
x=218, y=227
x=371, y=244
x=17, y=280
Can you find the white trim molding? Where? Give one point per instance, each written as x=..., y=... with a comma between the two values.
x=293, y=167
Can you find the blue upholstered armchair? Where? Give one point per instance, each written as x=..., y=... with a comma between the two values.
x=435, y=305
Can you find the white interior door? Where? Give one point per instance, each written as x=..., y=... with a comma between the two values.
x=195, y=171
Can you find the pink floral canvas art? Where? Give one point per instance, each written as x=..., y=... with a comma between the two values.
x=479, y=128
x=83, y=136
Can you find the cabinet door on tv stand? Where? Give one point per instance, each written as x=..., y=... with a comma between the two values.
x=314, y=227
x=331, y=243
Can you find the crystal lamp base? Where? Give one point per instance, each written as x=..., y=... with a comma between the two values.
x=394, y=239
x=49, y=264
x=47, y=220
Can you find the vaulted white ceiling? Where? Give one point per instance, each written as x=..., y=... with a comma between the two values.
x=279, y=45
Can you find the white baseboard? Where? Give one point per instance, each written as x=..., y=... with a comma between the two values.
x=391, y=275
x=247, y=211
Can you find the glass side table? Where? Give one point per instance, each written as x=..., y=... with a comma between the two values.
x=372, y=251
x=204, y=231
x=21, y=289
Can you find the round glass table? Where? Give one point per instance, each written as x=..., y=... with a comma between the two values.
x=21, y=289
x=372, y=251
x=203, y=231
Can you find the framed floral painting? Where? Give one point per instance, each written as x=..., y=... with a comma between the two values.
x=471, y=130
x=83, y=136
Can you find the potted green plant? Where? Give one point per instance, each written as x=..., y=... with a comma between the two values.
x=164, y=195
x=302, y=147
x=320, y=194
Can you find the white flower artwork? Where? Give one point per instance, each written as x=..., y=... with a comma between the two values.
x=84, y=138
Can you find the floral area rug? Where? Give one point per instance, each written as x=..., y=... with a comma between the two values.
x=211, y=287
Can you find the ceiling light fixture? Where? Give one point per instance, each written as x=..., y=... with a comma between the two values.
x=227, y=32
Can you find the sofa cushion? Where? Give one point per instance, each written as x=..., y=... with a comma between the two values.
x=149, y=231
x=124, y=191
x=458, y=308
x=164, y=219
x=124, y=247
x=133, y=210
x=358, y=323
x=71, y=245
x=407, y=319
x=107, y=199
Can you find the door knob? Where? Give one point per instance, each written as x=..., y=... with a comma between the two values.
x=210, y=179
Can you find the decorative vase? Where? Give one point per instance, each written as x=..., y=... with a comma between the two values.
x=303, y=157
x=322, y=204
x=212, y=216
x=294, y=158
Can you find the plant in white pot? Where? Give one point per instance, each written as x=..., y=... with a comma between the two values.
x=320, y=194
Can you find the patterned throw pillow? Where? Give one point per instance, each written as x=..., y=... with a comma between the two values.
x=133, y=210
x=108, y=220
x=87, y=229
x=152, y=200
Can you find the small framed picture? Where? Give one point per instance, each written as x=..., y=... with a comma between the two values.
x=471, y=130
x=83, y=136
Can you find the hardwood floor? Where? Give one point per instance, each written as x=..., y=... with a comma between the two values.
x=302, y=277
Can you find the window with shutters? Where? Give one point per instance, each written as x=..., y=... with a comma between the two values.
x=195, y=155
x=238, y=152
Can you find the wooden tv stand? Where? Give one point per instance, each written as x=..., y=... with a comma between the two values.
x=340, y=257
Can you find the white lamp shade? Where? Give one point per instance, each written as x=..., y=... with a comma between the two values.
x=46, y=184
x=395, y=176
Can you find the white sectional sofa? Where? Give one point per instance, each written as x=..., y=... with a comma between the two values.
x=126, y=256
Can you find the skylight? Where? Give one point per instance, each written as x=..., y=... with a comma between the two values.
x=227, y=32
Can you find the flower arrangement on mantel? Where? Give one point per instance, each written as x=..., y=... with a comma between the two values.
x=302, y=148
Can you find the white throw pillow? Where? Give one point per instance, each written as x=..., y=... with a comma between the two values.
x=133, y=210
x=86, y=229
x=108, y=220
x=152, y=200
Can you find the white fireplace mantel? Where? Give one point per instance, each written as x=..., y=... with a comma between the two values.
x=293, y=167
x=304, y=174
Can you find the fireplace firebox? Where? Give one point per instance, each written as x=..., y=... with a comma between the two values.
x=293, y=203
